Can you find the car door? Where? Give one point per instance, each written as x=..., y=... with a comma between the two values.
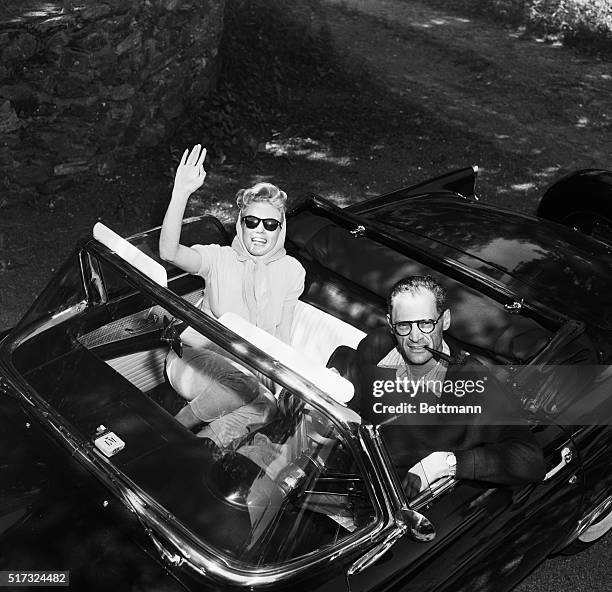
x=489, y=538
x=486, y=537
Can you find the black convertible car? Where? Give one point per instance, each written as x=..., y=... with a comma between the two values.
x=99, y=479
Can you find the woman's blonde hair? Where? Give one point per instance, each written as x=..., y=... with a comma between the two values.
x=263, y=192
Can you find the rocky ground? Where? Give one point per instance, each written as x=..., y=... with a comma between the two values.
x=425, y=91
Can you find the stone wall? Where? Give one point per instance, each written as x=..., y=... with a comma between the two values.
x=85, y=83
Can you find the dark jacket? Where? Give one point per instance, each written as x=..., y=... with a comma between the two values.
x=487, y=448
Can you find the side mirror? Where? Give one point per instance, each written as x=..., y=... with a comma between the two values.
x=419, y=527
x=409, y=522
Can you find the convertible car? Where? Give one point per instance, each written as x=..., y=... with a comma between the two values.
x=99, y=479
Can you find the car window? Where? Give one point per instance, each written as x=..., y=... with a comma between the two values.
x=299, y=482
x=114, y=284
x=279, y=469
x=263, y=484
x=65, y=290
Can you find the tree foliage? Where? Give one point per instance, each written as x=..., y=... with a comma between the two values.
x=584, y=23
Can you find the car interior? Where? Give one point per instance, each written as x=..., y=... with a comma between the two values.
x=107, y=365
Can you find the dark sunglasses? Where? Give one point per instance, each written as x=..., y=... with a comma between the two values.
x=253, y=222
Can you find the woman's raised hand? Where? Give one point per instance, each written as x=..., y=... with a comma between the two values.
x=190, y=173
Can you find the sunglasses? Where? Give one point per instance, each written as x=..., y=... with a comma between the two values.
x=253, y=222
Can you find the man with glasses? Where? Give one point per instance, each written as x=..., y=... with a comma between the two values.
x=414, y=351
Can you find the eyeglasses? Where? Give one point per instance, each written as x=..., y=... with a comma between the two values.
x=403, y=328
x=253, y=222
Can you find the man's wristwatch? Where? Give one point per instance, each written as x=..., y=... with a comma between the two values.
x=451, y=461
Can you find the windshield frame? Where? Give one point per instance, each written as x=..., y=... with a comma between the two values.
x=187, y=548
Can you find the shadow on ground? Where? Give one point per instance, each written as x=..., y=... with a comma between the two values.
x=347, y=136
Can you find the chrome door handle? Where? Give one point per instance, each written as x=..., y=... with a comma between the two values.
x=567, y=455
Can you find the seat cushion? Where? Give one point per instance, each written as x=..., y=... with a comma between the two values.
x=317, y=334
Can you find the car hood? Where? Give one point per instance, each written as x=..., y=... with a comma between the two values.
x=541, y=261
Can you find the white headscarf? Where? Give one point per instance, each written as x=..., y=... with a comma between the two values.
x=258, y=281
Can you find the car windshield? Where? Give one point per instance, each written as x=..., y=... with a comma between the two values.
x=278, y=480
